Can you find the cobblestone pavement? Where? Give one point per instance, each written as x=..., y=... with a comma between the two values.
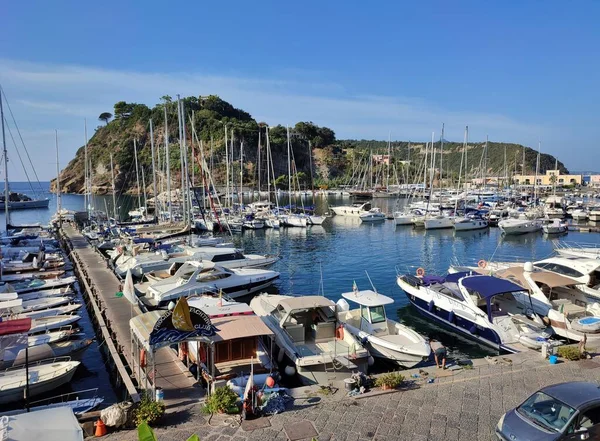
x=465, y=405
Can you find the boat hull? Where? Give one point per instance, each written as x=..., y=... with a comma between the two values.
x=26, y=205
x=348, y=211
x=470, y=225
x=438, y=224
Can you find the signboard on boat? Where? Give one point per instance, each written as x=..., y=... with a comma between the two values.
x=180, y=324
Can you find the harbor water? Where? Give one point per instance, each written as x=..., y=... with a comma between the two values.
x=328, y=259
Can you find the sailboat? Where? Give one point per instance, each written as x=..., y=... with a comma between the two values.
x=16, y=201
x=467, y=223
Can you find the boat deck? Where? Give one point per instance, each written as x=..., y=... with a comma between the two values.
x=171, y=375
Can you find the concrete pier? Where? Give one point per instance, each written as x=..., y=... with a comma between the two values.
x=112, y=314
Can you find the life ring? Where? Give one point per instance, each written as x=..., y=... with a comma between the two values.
x=339, y=333
x=482, y=264
x=143, y=358
x=420, y=272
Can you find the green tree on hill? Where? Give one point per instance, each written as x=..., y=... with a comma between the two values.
x=105, y=116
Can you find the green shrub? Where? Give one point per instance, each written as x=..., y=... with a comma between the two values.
x=390, y=380
x=222, y=400
x=569, y=352
x=148, y=410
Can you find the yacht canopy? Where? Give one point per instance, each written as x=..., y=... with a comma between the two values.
x=553, y=280
x=239, y=326
x=305, y=302
x=54, y=424
x=367, y=298
x=488, y=286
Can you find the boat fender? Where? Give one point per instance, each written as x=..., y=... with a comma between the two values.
x=546, y=320
x=473, y=330
x=370, y=360
x=280, y=355
x=451, y=317
x=143, y=358
x=364, y=341
x=430, y=306
x=289, y=370
x=339, y=333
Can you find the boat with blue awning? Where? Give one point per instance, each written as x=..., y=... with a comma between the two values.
x=490, y=310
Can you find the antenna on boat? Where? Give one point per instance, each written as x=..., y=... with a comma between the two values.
x=371, y=282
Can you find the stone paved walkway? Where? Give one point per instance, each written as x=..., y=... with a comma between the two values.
x=465, y=405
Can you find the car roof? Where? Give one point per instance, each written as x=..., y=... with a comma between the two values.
x=574, y=393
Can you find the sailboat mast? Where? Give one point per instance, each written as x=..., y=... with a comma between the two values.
x=144, y=190
x=259, y=161
x=168, y=165
x=289, y=166
x=6, y=192
x=112, y=179
x=389, y=164
x=442, y=155
x=137, y=174
x=153, y=170
x=226, y=165
x=86, y=201
x=537, y=170
x=241, y=173
x=58, y=196
x=268, y=163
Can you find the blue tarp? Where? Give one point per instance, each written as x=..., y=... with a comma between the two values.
x=488, y=286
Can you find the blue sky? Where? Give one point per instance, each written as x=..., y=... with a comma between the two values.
x=516, y=71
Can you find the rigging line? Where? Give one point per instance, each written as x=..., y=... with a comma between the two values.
x=19, y=155
x=21, y=138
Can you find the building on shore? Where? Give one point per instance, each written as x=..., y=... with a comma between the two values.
x=550, y=178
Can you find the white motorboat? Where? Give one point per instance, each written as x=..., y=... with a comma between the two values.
x=519, y=226
x=24, y=286
x=354, y=210
x=272, y=222
x=594, y=214
x=403, y=218
x=18, y=277
x=309, y=337
x=46, y=293
x=39, y=304
x=438, y=222
x=295, y=220
x=72, y=400
x=51, y=312
x=44, y=324
x=557, y=297
x=15, y=355
x=43, y=377
x=576, y=250
x=468, y=223
x=555, y=227
x=484, y=308
x=385, y=338
x=579, y=214
x=373, y=215
x=205, y=277
x=225, y=257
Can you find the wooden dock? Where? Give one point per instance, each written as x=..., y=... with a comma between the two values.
x=113, y=314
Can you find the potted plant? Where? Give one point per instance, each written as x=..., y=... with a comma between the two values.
x=148, y=410
x=222, y=400
x=388, y=381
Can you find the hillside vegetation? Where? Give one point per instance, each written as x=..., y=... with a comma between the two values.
x=333, y=161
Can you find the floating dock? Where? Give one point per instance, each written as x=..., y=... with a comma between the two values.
x=111, y=315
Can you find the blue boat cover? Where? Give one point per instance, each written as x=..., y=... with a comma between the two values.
x=488, y=286
x=455, y=277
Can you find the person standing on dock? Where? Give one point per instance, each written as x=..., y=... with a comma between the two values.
x=439, y=352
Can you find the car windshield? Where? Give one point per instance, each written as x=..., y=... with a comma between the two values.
x=545, y=411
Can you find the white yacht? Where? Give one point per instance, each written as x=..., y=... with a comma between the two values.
x=24, y=286
x=309, y=337
x=43, y=377
x=354, y=210
x=225, y=257
x=579, y=214
x=480, y=307
x=468, y=223
x=403, y=218
x=204, y=277
x=386, y=338
x=513, y=226
x=438, y=222
x=576, y=250
x=373, y=215
x=555, y=227
x=558, y=298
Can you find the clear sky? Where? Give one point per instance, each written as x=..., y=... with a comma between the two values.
x=516, y=71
